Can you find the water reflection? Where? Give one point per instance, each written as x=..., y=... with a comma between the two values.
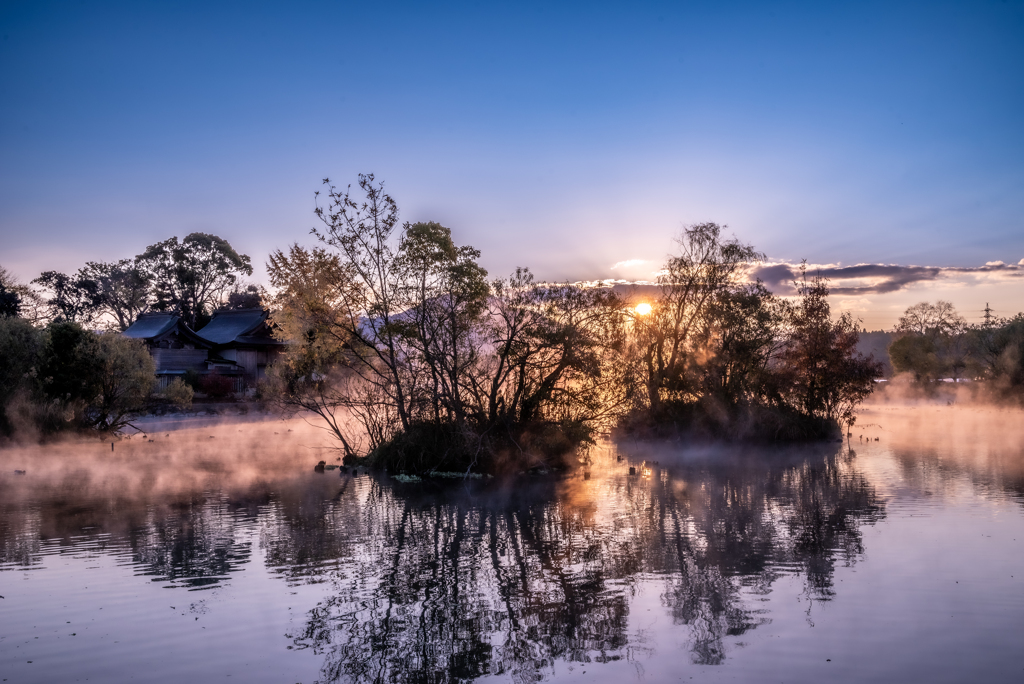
x=449, y=582
x=940, y=448
x=508, y=580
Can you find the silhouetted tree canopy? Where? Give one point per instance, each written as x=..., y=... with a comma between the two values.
x=10, y=302
x=124, y=289
x=73, y=298
x=397, y=329
x=191, y=275
x=248, y=297
x=417, y=362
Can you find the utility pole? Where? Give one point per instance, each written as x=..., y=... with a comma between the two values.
x=988, y=315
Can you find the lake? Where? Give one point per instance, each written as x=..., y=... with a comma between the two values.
x=214, y=552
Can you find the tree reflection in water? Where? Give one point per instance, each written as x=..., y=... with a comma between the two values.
x=446, y=583
x=449, y=586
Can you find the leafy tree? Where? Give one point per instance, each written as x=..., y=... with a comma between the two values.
x=125, y=377
x=96, y=382
x=916, y=354
x=21, y=346
x=10, y=302
x=30, y=304
x=705, y=269
x=934, y=342
x=743, y=338
x=71, y=368
x=190, y=276
x=74, y=298
x=123, y=288
x=999, y=346
x=828, y=377
x=311, y=309
x=448, y=294
x=248, y=297
x=397, y=329
x=179, y=393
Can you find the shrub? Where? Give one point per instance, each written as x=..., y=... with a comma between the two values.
x=179, y=393
x=216, y=385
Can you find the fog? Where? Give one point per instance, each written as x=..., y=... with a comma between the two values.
x=168, y=459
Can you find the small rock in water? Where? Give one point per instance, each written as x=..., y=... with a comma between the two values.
x=19, y=472
x=319, y=467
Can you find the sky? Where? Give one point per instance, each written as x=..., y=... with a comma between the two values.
x=574, y=138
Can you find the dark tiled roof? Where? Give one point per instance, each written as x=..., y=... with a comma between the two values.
x=238, y=325
x=150, y=325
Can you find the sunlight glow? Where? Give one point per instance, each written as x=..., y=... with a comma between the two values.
x=643, y=308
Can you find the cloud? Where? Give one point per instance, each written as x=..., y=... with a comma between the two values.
x=865, y=279
x=628, y=263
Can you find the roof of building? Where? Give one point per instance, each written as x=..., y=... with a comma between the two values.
x=244, y=326
x=149, y=326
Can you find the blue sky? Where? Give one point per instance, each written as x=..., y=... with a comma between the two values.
x=566, y=137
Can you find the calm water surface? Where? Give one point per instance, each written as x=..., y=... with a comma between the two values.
x=217, y=554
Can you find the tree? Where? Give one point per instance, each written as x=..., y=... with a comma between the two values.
x=248, y=297
x=934, y=341
x=362, y=233
x=916, y=354
x=743, y=338
x=398, y=329
x=999, y=346
x=30, y=304
x=10, y=302
x=96, y=382
x=827, y=377
x=190, y=276
x=74, y=298
x=70, y=369
x=21, y=345
x=705, y=268
x=924, y=318
x=123, y=289
x=310, y=309
x=556, y=354
x=447, y=295
x=125, y=377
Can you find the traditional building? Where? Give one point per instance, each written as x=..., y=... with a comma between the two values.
x=235, y=343
x=175, y=349
x=243, y=337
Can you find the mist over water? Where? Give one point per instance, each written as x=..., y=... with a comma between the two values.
x=216, y=551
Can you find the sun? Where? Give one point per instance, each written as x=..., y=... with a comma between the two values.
x=642, y=309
